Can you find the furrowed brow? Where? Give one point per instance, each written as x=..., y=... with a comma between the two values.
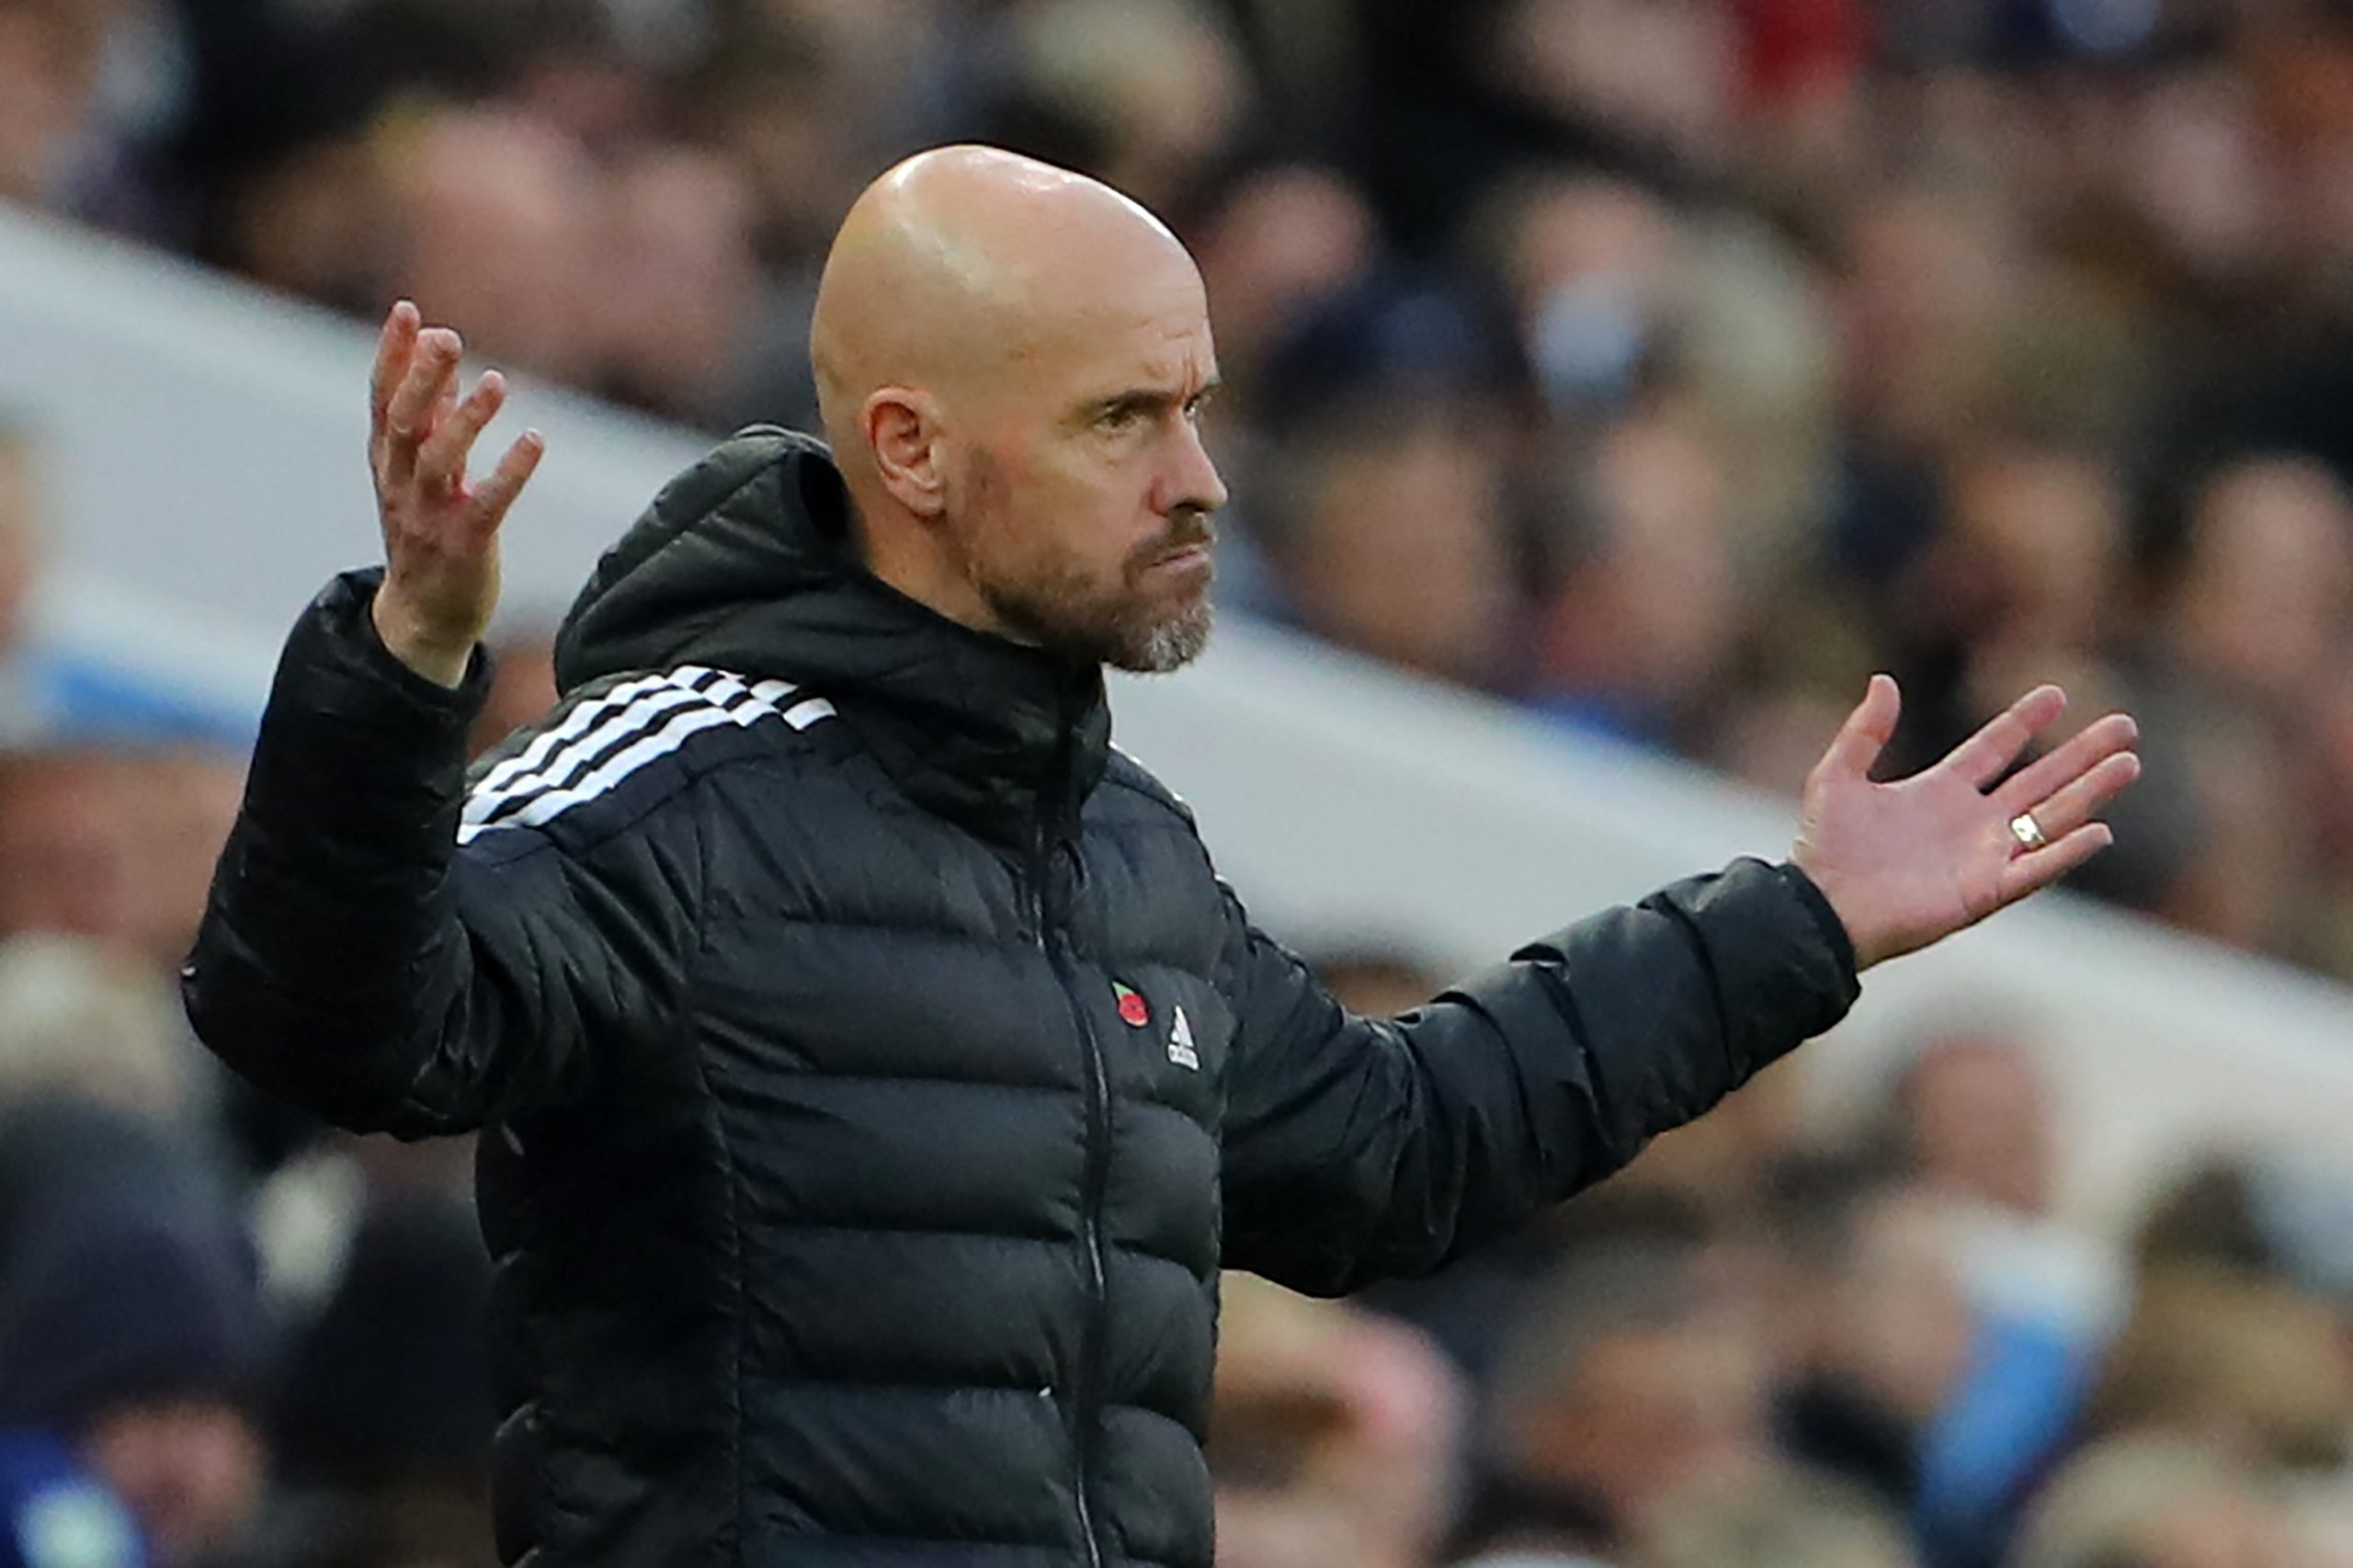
x=1134, y=400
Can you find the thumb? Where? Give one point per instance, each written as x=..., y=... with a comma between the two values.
x=1866, y=732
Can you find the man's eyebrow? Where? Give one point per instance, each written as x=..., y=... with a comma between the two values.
x=1140, y=398
x=1136, y=398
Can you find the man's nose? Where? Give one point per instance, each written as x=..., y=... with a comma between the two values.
x=1191, y=481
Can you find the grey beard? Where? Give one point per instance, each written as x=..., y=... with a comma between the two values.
x=1055, y=623
x=1167, y=646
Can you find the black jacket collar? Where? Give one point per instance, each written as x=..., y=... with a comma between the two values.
x=744, y=563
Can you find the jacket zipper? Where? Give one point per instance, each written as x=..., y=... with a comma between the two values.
x=1051, y=941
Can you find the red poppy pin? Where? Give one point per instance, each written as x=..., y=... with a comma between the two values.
x=1134, y=1011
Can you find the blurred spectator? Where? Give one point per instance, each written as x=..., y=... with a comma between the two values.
x=2254, y=1364
x=1876, y=1330
x=130, y=1342
x=2236, y=1333
x=1152, y=91
x=1396, y=544
x=1285, y=239
x=53, y=54
x=1633, y=1372
x=677, y=245
x=76, y=1020
x=2156, y=1503
x=1750, y=360
x=1653, y=77
x=180, y=803
x=2017, y=587
x=1638, y=631
x=1777, y=1519
x=501, y=233
x=113, y=845
x=2255, y=614
x=2261, y=598
x=68, y=860
x=1597, y=275
x=309, y=219
x=1971, y=1120
x=1923, y=279
x=1332, y=1437
x=810, y=101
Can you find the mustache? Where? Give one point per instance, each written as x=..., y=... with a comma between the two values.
x=1187, y=530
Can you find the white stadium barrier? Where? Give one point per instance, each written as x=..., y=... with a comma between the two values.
x=205, y=473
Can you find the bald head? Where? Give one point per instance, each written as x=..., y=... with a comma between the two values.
x=1010, y=359
x=962, y=264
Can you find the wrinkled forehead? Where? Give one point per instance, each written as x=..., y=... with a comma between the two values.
x=1127, y=322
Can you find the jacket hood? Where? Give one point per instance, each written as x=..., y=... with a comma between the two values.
x=745, y=562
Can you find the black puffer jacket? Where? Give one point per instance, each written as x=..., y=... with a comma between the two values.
x=874, y=1071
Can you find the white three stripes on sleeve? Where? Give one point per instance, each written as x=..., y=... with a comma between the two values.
x=602, y=742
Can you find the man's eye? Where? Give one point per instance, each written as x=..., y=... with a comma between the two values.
x=1118, y=417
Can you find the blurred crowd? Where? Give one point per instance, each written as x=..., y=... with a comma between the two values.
x=1773, y=1345
x=1664, y=365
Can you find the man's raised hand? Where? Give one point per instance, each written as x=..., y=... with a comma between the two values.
x=440, y=531
x=1908, y=862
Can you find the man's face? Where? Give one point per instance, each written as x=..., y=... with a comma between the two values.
x=68, y=859
x=1080, y=495
x=191, y=1471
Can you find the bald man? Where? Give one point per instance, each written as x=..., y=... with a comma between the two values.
x=873, y=1074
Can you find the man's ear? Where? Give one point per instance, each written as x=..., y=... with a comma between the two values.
x=902, y=428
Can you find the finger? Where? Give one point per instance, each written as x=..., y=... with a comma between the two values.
x=2038, y=869
x=506, y=480
x=438, y=415
x=395, y=346
x=430, y=374
x=2046, y=776
x=441, y=461
x=2080, y=801
x=1866, y=730
x=1982, y=757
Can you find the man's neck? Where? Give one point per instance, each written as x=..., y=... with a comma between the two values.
x=904, y=553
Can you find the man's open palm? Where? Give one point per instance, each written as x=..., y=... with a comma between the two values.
x=1908, y=862
x=440, y=531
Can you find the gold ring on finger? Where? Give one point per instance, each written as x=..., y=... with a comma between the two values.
x=2029, y=832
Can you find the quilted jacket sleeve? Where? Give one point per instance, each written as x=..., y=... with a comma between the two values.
x=353, y=959
x=1358, y=1148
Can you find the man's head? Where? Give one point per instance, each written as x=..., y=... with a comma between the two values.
x=1633, y=1370
x=130, y=1329
x=68, y=850
x=1011, y=361
x=1974, y=1115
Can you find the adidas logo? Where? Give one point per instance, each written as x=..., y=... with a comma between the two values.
x=1180, y=1043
